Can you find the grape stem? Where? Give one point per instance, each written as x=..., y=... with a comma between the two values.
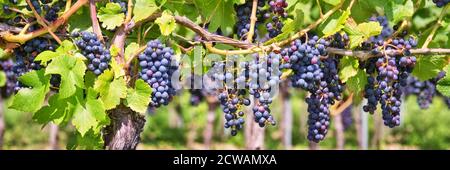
x=364, y=55
x=68, y=4
x=320, y=8
x=18, y=11
x=95, y=24
x=253, y=19
x=435, y=27
x=129, y=11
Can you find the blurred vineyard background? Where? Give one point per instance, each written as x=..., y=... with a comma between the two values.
x=183, y=126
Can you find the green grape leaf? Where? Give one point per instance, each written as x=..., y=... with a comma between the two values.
x=83, y=120
x=46, y=56
x=96, y=108
x=336, y=25
x=72, y=72
x=355, y=40
x=356, y=85
x=369, y=29
x=32, y=99
x=348, y=67
x=166, y=23
x=89, y=79
x=183, y=8
x=89, y=141
x=362, y=10
x=111, y=89
x=130, y=50
x=428, y=67
x=111, y=16
x=78, y=22
x=397, y=10
x=143, y=9
x=332, y=2
x=66, y=48
x=443, y=85
x=59, y=110
x=91, y=116
x=139, y=98
x=362, y=32
x=219, y=14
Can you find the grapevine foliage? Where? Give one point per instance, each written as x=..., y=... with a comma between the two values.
x=70, y=63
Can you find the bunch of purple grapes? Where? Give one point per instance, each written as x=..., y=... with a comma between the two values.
x=319, y=77
x=232, y=94
x=387, y=73
x=158, y=64
x=97, y=54
x=264, y=78
x=441, y=3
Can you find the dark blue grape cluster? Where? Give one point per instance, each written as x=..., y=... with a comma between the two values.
x=318, y=76
x=97, y=54
x=123, y=5
x=264, y=78
x=387, y=74
x=441, y=3
x=232, y=94
x=244, y=13
x=158, y=64
x=7, y=66
x=276, y=14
